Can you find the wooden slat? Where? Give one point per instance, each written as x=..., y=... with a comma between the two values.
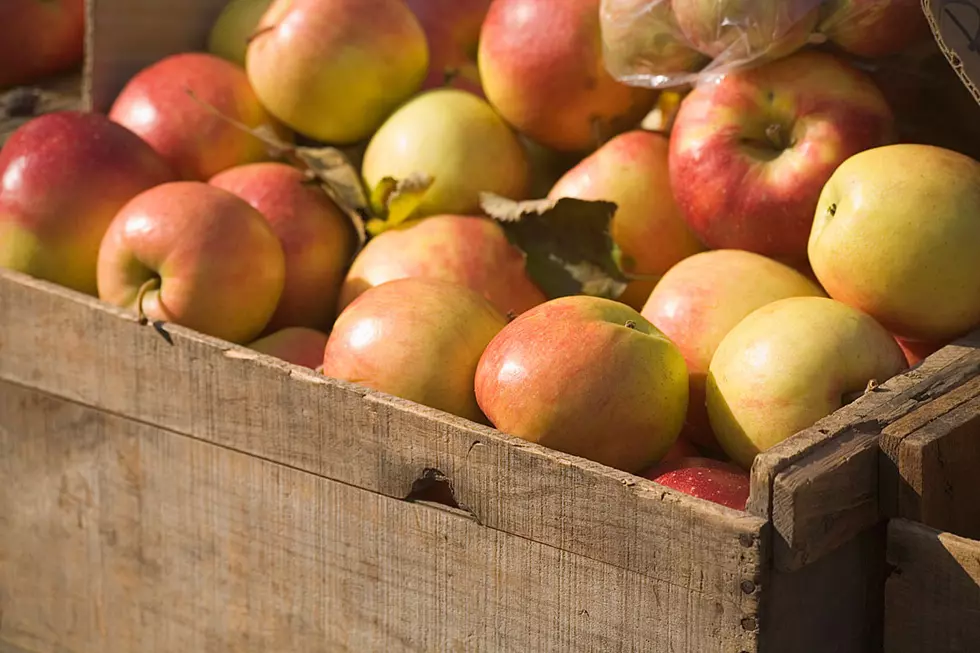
x=932, y=597
x=120, y=537
x=75, y=347
x=824, y=481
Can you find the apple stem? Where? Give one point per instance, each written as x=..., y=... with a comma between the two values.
x=254, y=35
x=776, y=136
x=152, y=283
x=449, y=75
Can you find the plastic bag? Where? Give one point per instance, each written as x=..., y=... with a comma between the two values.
x=669, y=43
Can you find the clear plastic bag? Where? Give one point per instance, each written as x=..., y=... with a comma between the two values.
x=670, y=43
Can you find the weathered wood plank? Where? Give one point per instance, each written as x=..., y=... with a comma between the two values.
x=75, y=347
x=117, y=536
x=932, y=597
x=825, y=480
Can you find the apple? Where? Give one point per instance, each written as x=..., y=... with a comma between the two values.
x=708, y=479
x=415, y=338
x=316, y=236
x=751, y=152
x=470, y=251
x=235, y=25
x=40, y=38
x=190, y=253
x=788, y=365
x=297, y=345
x=648, y=227
x=452, y=29
x=334, y=70
x=746, y=30
x=897, y=235
x=157, y=104
x=643, y=40
x=63, y=177
x=543, y=70
x=587, y=376
x=457, y=139
x=682, y=450
x=874, y=28
x=916, y=352
x=699, y=300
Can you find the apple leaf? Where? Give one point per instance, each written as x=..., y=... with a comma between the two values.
x=567, y=243
x=396, y=200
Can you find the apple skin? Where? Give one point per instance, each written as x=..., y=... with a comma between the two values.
x=40, y=38
x=788, y=365
x=896, y=235
x=740, y=30
x=220, y=266
x=542, y=68
x=334, y=70
x=297, y=345
x=317, y=239
x=874, y=28
x=916, y=352
x=701, y=299
x=683, y=449
x=63, y=177
x=712, y=480
x=751, y=153
x=589, y=377
x=197, y=143
x=457, y=139
x=233, y=28
x=632, y=171
x=418, y=339
x=452, y=29
x=467, y=250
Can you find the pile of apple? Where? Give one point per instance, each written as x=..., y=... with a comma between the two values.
x=454, y=202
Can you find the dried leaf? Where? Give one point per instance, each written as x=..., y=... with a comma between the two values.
x=397, y=201
x=567, y=242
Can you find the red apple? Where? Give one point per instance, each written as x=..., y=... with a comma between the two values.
x=542, y=67
x=712, y=480
x=631, y=170
x=751, y=152
x=296, y=345
x=916, y=351
x=63, y=177
x=589, y=377
x=39, y=38
x=195, y=255
x=701, y=299
x=468, y=250
x=452, y=28
x=157, y=104
x=418, y=339
x=874, y=28
x=316, y=236
x=682, y=449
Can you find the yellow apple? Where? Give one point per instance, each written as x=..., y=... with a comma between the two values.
x=235, y=25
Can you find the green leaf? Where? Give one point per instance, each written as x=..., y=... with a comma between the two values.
x=567, y=243
x=395, y=201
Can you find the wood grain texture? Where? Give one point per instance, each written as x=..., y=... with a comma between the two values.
x=119, y=537
x=932, y=597
x=825, y=480
x=216, y=392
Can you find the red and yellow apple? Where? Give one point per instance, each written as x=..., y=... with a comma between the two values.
x=457, y=139
x=788, y=365
x=916, y=351
x=631, y=170
x=235, y=26
x=63, y=178
x=415, y=338
x=712, y=480
x=543, y=70
x=470, y=251
x=452, y=29
x=174, y=105
x=317, y=239
x=701, y=299
x=587, y=376
x=897, y=235
x=39, y=38
x=334, y=70
x=751, y=152
x=190, y=253
x=874, y=28
x=297, y=345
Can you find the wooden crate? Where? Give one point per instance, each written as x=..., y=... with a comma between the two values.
x=167, y=491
